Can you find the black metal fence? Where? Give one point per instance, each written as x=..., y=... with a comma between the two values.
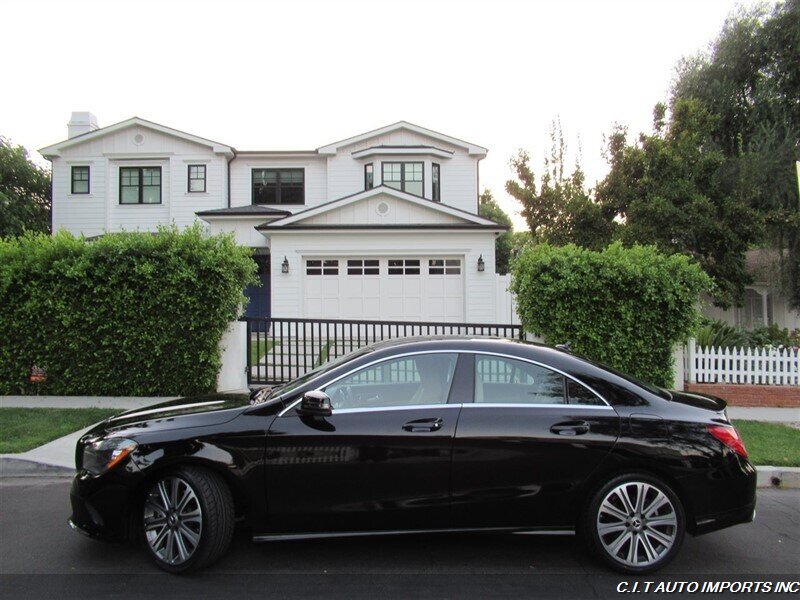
x=279, y=350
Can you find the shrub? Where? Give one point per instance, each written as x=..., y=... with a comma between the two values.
x=719, y=334
x=625, y=307
x=126, y=314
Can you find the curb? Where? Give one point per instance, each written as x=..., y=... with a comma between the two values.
x=767, y=476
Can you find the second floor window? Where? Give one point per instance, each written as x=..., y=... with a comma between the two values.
x=140, y=185
x=197, y=178
x=369, y=177
x=436, y=185
x=80, y=180
x=278, y=186
x=404, y=176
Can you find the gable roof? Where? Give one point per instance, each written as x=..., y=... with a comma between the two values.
x=472, y=149
x=55, y=149
x=250, y=210
x=467, y=219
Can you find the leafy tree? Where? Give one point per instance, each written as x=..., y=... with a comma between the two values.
x=750, y=80
x=24, y=192
x=559, y=210
x=489, y=209
x=670, y=189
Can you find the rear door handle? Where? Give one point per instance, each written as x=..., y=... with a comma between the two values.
x=423, y=425
x=570, y=428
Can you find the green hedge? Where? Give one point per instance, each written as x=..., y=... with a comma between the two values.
x=625, y=307
x=127, y=314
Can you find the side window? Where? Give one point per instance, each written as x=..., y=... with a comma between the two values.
x=406, y=381
x=579, y=394
x=501, y=380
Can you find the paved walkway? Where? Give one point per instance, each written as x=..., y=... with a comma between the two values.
x=771, y=415
x=121, y=402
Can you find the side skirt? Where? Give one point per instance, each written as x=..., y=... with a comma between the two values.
x=346, y=534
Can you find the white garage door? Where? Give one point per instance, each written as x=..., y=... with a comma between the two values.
x=384, y=288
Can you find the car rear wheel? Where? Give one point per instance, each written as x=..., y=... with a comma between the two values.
x=635, y=523
x=187, y=519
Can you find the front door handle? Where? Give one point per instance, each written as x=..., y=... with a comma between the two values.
x=423, y=425
x=570, y=428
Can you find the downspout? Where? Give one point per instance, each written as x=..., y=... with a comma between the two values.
x=229, y=175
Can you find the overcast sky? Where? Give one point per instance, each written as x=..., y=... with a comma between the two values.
x=297, y=75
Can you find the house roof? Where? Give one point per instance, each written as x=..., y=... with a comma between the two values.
x=55, y=149
x=253, y=210
x=470, y=147
x=294, y=221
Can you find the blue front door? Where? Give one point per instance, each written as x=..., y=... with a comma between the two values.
x=259, y=296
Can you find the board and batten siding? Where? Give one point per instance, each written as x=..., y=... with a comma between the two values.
x=100, y=210
x=480, y=288
x=315, y=179
x=365, y=212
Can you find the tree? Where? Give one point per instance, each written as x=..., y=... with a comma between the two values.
x=24, y=192
x=489, y=209
x=670, y=189
x=560, y=210
x=750, y=80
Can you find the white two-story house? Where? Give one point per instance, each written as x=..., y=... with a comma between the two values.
x=382, y=225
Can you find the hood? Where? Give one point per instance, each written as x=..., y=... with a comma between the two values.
x=190, y=411
x=699, y=400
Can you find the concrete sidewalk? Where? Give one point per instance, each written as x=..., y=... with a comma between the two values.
x=120, y=402
x=770, y=415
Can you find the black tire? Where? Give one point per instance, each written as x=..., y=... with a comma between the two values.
x=213, y=498
x=639, y=529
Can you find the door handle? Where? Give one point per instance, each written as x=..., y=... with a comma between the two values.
x=570, y=428
x=423, y=425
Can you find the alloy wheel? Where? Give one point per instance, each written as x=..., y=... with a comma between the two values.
x=173, y=520
x=637, y=524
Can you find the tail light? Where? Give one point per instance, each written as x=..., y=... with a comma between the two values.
x=730, y=437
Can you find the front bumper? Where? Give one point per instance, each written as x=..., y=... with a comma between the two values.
x=102, y=507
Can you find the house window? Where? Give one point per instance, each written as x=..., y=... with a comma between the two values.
x=278, y=186
x=197, y=178
x=369, y=177
x=441, y=266
x=404, y=266
x=140, y=185
x=404, y=176
x=436, y=191
x=363, y=267
x=322, y=267
x=80, y=180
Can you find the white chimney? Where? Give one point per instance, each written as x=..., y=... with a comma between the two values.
x=80, y=123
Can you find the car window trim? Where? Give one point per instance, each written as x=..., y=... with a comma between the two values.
x=454, y=351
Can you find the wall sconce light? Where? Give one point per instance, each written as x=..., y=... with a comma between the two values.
x=481, y=264
x=285, y=265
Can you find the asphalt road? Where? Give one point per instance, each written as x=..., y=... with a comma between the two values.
x=40, y=557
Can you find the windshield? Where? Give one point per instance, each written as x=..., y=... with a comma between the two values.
x=323, y=368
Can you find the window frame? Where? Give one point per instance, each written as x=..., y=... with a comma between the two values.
x=403, y=164
x=369, y=176
x=189, y=179
x=88, y=179
x=436, y=182
x=277, y=171
x=141, y=186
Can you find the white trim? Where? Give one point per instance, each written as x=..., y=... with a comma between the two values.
x=383, y=151
x=473, y=149
x=377, y=229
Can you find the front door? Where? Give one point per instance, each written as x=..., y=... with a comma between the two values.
x=524, y=446
x=381, y=461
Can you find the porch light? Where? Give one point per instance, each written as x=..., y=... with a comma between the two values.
x=285, y=265
x=481, y=264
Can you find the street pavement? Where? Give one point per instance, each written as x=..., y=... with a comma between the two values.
x=40, y=557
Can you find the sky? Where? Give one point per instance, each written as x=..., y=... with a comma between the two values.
x=298, y=75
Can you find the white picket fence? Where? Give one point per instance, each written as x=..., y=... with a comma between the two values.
x=756, y=366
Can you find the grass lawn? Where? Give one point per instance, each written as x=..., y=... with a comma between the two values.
x=22, y=429
x=258, y=349
x=770, y=444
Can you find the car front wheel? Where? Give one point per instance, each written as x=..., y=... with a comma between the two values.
x=187, y=519
x=635, y=523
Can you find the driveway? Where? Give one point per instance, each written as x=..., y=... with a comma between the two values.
x=41, y=557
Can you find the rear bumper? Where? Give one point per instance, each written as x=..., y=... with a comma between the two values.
x=745, y=514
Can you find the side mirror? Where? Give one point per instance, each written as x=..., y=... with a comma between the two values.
x=315, y=404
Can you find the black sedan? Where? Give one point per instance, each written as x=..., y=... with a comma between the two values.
x=416, y=436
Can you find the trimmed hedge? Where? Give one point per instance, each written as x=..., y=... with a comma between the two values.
x=625, y=307
x=132, y=314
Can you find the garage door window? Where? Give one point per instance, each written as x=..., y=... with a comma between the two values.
x=404, y=266
x=322, y=267
x=359, y=266
x=442, y=266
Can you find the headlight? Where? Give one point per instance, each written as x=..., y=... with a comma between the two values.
x=104, y=454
